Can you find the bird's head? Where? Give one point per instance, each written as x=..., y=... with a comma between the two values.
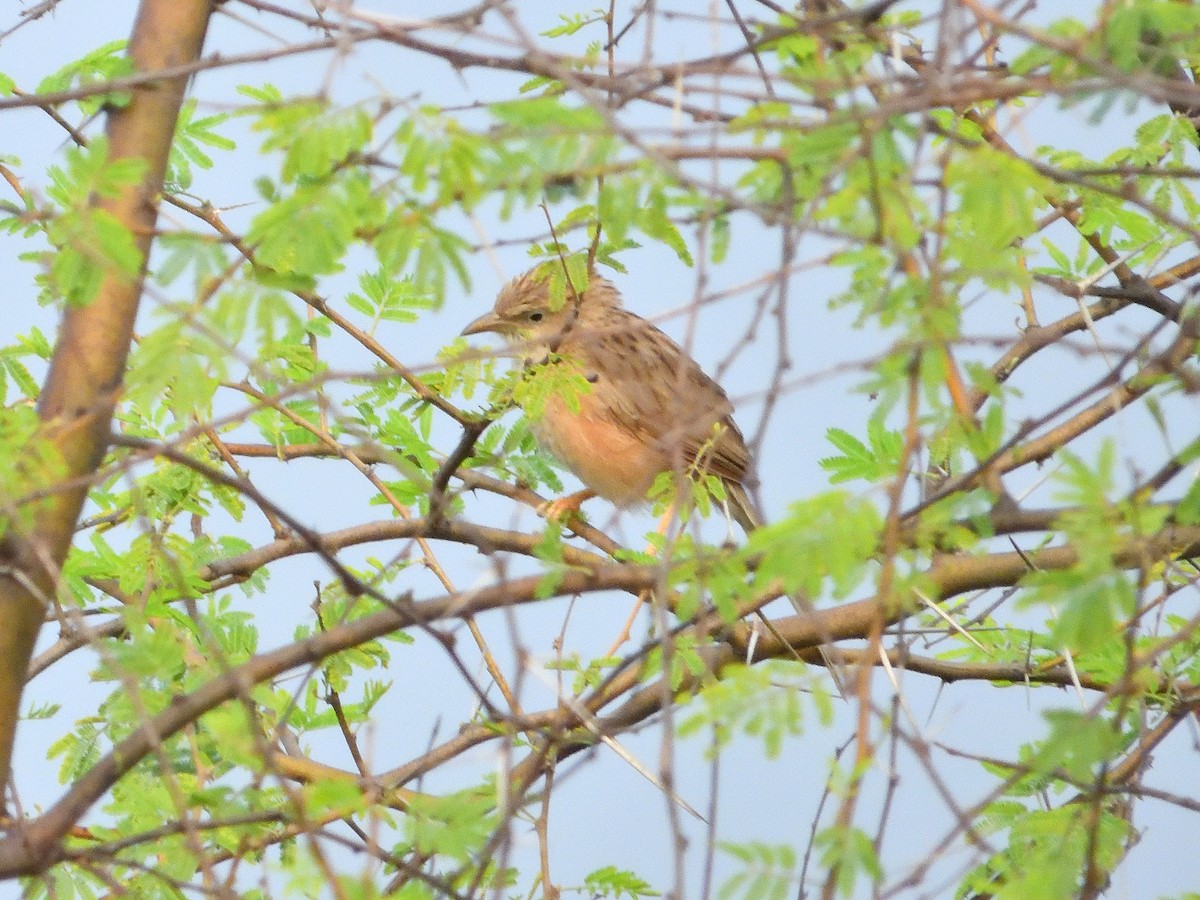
x=524, y=312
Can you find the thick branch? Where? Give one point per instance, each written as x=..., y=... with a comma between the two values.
x=953, y=575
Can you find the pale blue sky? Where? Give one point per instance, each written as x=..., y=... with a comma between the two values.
x=604, y=813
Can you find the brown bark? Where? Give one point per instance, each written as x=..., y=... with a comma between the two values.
x=86, y=371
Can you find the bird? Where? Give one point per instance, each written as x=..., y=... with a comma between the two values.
x=644, y=406
x=647, y=408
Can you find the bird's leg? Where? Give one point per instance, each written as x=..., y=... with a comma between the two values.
x=644, y=596
x=564, y=508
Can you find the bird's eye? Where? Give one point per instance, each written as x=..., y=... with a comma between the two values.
x=536, y=316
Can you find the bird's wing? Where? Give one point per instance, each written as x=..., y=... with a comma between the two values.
x=660, y=394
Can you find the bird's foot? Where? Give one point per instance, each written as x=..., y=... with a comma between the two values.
x=565, y=508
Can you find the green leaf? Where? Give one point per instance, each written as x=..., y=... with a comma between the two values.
x=570, y=24
x=1048, y=851
x=334, y=796
x=1078, y=744
x=235, y=733
x=190, y=133
x=657, y=224
x=308, y=232
x=831, y=537
x=764, y=701
x=769, y=872
x=90, y=243
x=856, y=461
x=1187, y=511
x=610, y=881
x=851, y=853
x=101, y=65
x=547, y=112
x=79, y=750
x=315, y=141
x=41, y=465
x=721, y=233
x=455, y=825
x=388, y=298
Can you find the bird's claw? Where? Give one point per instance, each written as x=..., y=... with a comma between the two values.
x=565, y=508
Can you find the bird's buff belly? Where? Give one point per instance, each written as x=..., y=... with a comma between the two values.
x=607, y=458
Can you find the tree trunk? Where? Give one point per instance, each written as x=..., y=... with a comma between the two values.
x=86, y=371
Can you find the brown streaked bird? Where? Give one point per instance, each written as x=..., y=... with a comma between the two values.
x=650, y=407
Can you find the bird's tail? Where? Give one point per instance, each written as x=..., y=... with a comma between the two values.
x=741, y=507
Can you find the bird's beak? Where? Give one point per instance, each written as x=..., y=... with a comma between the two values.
x=487, y=322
